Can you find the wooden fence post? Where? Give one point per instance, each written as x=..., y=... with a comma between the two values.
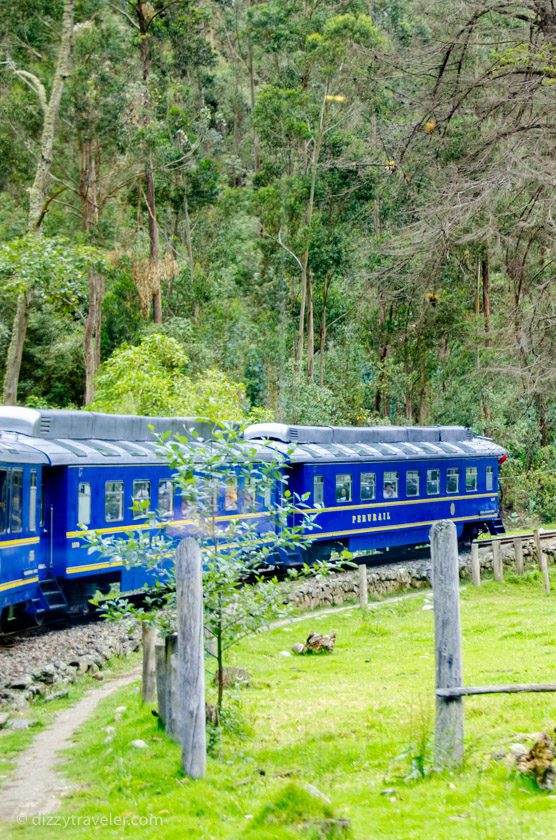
x=475, y=564
x=497, y=564
x=543, y=563
x=160, y=659
x=448, y=736
x=172, y=688
x=518, y=549
x=148, y=682
x=363, y=593
x=191, y=664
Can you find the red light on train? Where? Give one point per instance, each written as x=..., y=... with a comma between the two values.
x=502, y=458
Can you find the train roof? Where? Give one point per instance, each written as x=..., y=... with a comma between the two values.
x=323, y=444
x=57, y=437
x=64, y=438
x=52, y=424
x=15, y=452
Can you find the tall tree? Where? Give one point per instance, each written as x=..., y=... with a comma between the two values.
x=38, y=192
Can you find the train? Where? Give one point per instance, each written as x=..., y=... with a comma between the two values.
x=370, y=489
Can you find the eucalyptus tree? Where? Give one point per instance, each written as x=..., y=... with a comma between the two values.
x=39, y=199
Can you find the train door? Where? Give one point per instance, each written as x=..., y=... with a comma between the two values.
x=53, y=521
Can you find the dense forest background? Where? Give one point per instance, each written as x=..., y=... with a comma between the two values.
x=321, y=212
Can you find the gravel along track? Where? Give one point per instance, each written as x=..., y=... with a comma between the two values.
x=43, y=663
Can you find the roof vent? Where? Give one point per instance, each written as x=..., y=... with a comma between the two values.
x=45, y=423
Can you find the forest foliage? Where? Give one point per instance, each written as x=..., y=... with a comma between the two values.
x=331, y=211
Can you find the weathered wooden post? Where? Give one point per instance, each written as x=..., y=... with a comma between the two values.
x=363, y=592
x=448, y=737
x=160, y=659
x=497, y=564
x=148, y=682
x=543, y=563
x=190, y=655
x=173, y=707
x=475, y=564
x=518, y=549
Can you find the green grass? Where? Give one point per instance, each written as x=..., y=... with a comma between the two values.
x=353, y=724
x=521, y=529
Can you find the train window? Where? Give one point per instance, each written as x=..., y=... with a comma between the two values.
x=230, y=493
x=33, y=500
x=368, y=486
x=318, y=490
x=452, y=480
x=141, y=497
x=433, y=482
x=267, y=497
x=16, y=502
x=250, y=493
x=3, y=501
x=490, y=478
x=165, y=497
x=390, y=485
x=412, y=483
x=470, y=479
x=84, y=503
x=114, y=501
x=343, y=487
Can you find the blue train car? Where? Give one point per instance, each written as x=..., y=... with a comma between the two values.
x=370, y=489
x=20, y=505
x=81, y=468
x=383, y=487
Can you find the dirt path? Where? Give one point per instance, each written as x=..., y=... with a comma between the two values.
x=372, y=605
x=36, y=787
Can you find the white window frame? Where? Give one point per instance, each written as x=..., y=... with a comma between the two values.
x=318, y=481
x=452, y=472
x=414, y=473
x=373, y=482
x=84, y=520
x=391, y=477
x=340, y=481
x=471, y=471
x=430, y=481
x=119, y=491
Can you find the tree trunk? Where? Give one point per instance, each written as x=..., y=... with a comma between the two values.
x=306, y=288
x=380, y=408
x=92, y=333
x=189, y=247
x=154, y=245
x=89, y=214
x=310, y=329
x=485, y=278
x=252, y=102
x=37, y=193
x=15, y=350
x=37, y=198
x=88, y=184
x=323, y=326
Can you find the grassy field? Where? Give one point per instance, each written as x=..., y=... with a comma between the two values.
x=356, y=725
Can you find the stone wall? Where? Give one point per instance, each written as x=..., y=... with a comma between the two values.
x=335, y=589
x=382, y=580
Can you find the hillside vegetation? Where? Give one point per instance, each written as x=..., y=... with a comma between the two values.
x=317, y=211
